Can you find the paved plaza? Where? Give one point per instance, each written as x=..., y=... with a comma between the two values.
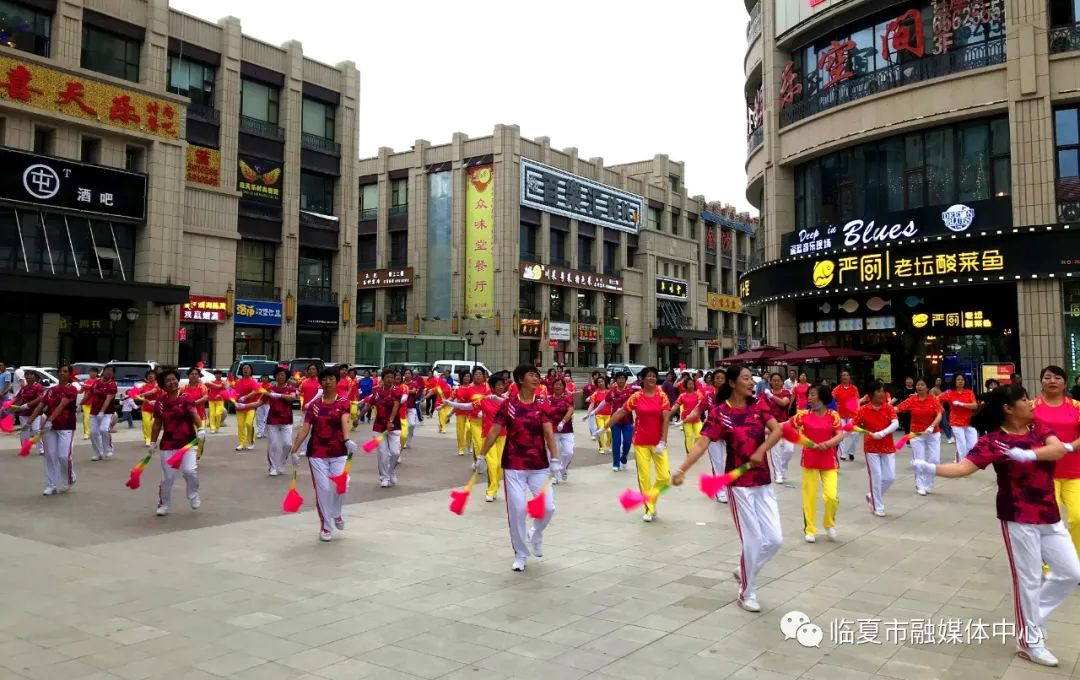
x=97, y=587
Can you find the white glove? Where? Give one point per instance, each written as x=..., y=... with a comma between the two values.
x=923, y=466
x=275, y=395
x=47, y=426
x=660, y=447
x=558, y=426
x=152, y=446
x=201, y=435
x=1016, y=453
x=929, y=430
x=880, y=434
x=554, y=467
x=958, y=403
x=352, y=447
x=585, y=418
x=768, y=393
x=404, y=398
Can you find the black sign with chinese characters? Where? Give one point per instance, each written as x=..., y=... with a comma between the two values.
x=384, y=278
x=672, y=289
x=974, y=259
x=61, y=184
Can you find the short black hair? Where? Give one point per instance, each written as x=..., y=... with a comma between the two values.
x=824, y=393
x=164, y=373
x=388, y=371
x=279, y=369
x=327, y=373
x=521, y=371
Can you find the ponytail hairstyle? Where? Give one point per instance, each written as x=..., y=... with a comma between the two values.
x=724, y=392
x=991, y=414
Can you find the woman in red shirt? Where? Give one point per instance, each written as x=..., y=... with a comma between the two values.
x=652, y=413
x=177, y=422
x=847, y=402
x=216, y=400
x=925, y=412
x=488, y=407
x=822, y=426
x=1061, y=415
x=197, y=393
x=1023, y=454
x=560, y=407
x=245, y=417
x=687, y=402
x=777, y=400
x=800, y=390
x=879, y=418
x=621, y=433
x=600, y=409
x=963, y=403
x=58, y=407
x=147, y=395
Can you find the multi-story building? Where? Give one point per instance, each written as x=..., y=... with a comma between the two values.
x=543, y=256
x=915, y=165
x=174, y=189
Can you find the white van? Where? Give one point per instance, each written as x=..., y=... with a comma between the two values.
x=457, y=367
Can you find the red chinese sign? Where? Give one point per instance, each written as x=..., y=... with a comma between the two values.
x=710, y=240
x=790, y=89
x=904, y=34
x=205, y=309
x=755, y=115
x=834, y=61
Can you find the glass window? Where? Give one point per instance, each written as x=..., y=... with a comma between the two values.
x=192, y=79
x=654, y=219
x=527, y=294
x=611, y=252
x=109, y=53
x=675, y=219
x=529, y=251
x=366, y=252
x=557, y=301
x=863, y=57
x=91, y=150
x=399, y=192
x=399, y=248
x=585, y=253
x=1068, y=165
x=397, y=305
x=913, y=171
x=258, y=101
x=318, y=119
x=124, y=238
x=365, y=308
x=940, y=166
x=27, y=29
x=974, y=162
x=255, y=262
x=558, y=247
x=11, y=258
x=1067, y=140
x=611, y=308
x=369, y=201
x=317, y=193
x=315, y=267
x=1064, y=12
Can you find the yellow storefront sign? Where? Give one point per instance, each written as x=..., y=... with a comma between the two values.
x=479, y=242
x=884, y=266
x=40, y=87
x=203, y=165
x=724, y=303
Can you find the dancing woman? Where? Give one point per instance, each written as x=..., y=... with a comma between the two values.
x=489, y=406
x=177, y=423
x=561, y=412
x=621, y=433
x=386, y=400
x=1057, y=412
x=962, y=404
x=879, y=418
x=147, y=396
x=777, y=400
x=600, y=409
x=102, y=401
x=822, y=426
x=279, y=421
x=58, y=407
x=925, y=412
x=245, y=417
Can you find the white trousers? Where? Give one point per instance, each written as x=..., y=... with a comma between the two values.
x=189, y=467
x=926, y=447
x=59, y=466
x=515, y=484
x=387, y=456
x=261, y=414
x=327, y=500
x=718, y=458
x=757, y=519
x=100, y=438
x=31, y=428
x=965, y=440
x=1035, y=596
x=564, y=443
x=781, y=457
x=849, y=442
x=881, y=469
x=278, y=446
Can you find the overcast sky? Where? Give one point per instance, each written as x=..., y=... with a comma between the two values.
x=620, y=80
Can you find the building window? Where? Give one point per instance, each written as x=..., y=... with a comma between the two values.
x=365, y=308
x=193, y=80
x=693, y=229
x=317, y=193
x=90, y=151
x=557, y=300
x=315, y=275
x=313, y=343
x=653, y=219
x=1064, y=12
x=26, y=28
x=528, y=294
x=1067, y=147
x=585, y=254
x=397, y=305
x=631, y=254
x=675, y=224
x=259, y=101
x=558, y=248
x=611, y=308
x=318, y=119
x=255, y=261
x=611, y=251
x=44, y=140
x=110, y=53
x=366, y=252
x=399, y=197
x=399, y=248
x=963, y=162
x=255, y=340
x=135, y=159
x=585, y=311
x=527, y=245
x=369, y=201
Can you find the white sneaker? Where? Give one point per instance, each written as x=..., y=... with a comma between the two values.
x=49, y=490
x=921, y=492
x=489, y=499
x=95, y=457
x=519, y=564
x=615, y=468
x=62, y=489
x=750, y=604
x=554, y=481
x=250, y=447
x=325, y=536
x=537, y=546
x=461, y=453
x=779, y=479
x=1039, y=655
x=196, y=502
x=879, y=513
x=385, y=484
x=393, y=481
x=108, y=455
x=810, y=538
x=646, y=518
x=831, y=534
x=239, y=448
x=722, y=496
x=339, y=523
x=274, y=472
x=161, y=511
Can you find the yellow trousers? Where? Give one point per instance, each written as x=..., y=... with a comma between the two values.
x=147, y=425
x=494, y=466
x=404, y=431
x=810, y=482
x=691, y=432
x=1068, y=497
x=217, y=408
x=647, y=459
x=476, y=428
x=462, y=432
x=245, y=426
x=604, y=440
x=444, y=417
x=86, y=419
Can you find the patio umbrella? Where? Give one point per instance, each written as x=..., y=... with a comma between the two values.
x=757, y=356
x=820, y=353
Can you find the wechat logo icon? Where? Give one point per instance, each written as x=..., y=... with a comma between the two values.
x=798, y=626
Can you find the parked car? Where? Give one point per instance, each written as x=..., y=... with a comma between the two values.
x=206, y=376
x=414, y=366
x=82, y=369
x=632, y=369
x=457, y=366
x=360, y=368
x=300, y=365
x=130, y=374
x=45, y=375
x=259, y=368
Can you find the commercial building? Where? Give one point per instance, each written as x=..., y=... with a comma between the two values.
x=915, y=165
x=543, y=256
x=173, y=189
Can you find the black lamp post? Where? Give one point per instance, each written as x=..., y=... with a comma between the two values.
x=475, y=345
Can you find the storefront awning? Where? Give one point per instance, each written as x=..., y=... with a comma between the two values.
x=43, y=284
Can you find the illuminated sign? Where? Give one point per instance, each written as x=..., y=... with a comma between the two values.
x=205, y=309
x=966, y=319
x=259, y=179
x=545, y=273
x=724, y=303
x=529, y=328
x=672, y=289
x=384, y=278
x=588, y=332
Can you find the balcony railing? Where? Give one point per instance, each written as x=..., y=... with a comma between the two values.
x=397, y=317
x=675, y=321
x=313, y=294
x=1067, y=191
x=815, y=99
x=1065, y=39
x=528, y=256
x=559, y=262
x=728, y=332
x=320, y=144
x=368, y=214
x=261, y=128
x=259, y=210
x=205, y=114
x=609, y=270
x=756, y=138
x=257, y=291
x=740, y=264
x=399, y=210
x=753, y=28
x=712, y=288
x=317, y=220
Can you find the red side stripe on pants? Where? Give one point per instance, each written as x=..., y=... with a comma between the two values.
x=1021, y=626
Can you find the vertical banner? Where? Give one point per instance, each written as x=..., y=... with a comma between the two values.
x=439, y=237
x=479, y=241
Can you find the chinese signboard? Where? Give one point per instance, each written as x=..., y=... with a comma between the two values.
x=672, y=289
x=957, y=261
x=71, y=185
x=710, y=239
x=568, y=277
x=317, y=316
x=480, y=242
x=937, y=220
x=613, y=334
x=557, y=191
x=257, y=313
x=558, y=330
x=259, y=179
x=952, y=15
x=203, y=165
x=529, y=328
x=385, y=278
x=588, y=332
x=966, y=319
x=205, y=309
x=724, y=303
x=48, y=89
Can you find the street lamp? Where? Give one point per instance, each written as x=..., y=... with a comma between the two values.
x=475, y=345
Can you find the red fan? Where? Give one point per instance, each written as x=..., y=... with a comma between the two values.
x=711, y=485
x=458, y=499
x=792, y=434
x=293, y=499
x=177, y=458
x=373, y=444
x=535, y=507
